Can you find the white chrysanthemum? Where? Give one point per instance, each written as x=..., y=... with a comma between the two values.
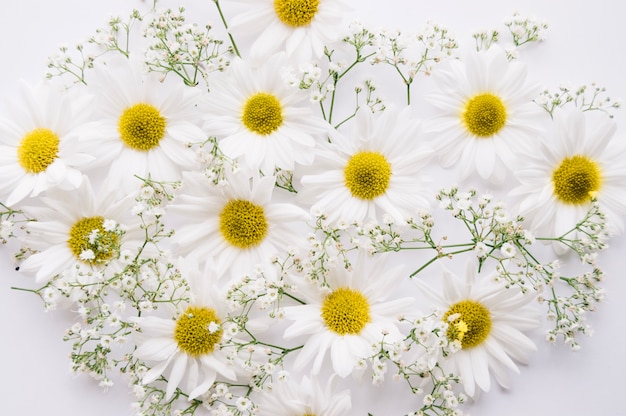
x=300, y=27
x=486, y=114
x=39, y=147
x=188, y=345
x=258, y=117
x=374, y=171
x=144, y=124
x=80, y=230
x=559, y=178
x=307, y=397
x=348, y=316
x=237, y=223
x=487, y=319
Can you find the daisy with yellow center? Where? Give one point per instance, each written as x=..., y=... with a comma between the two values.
x=299, y=27
x=144, y=125
x=487, y=320
x=486, y=115
x=80, y=230
x=307, y=397
x=237, y=223
x=374, y=171
x=39, y=147
x=187, y=349
x=582, y=160
x=348, y=316
x=260, y=120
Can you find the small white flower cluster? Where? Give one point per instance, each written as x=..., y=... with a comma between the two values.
x=114, y=38
x=150, y=201
x=523, y=30
x=416, y=359
x=6, y=230
x=485, y=38
x=412, y=53
x=569, y=313
x=184, y=48
x=322, y=84
x=526, y=29
x=266, y=293
x=586, y=97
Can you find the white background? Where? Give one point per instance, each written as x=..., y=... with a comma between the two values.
x=585, y=44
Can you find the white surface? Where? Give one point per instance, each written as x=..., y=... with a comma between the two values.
x=585, y=44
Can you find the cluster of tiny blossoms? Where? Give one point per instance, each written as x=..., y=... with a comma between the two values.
x=115, y=37
x=185, y=49
x=323, y=78
x=416, y=360
x=412, y=53
x=409, y=54
x=586, y=97
x=521, y=29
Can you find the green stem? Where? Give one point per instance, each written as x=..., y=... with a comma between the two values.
x=25, y=290
x=438, y=256
x=294, y=298
x=232, y=40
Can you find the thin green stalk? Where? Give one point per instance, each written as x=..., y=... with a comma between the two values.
x=438, y=256
x=232, y=40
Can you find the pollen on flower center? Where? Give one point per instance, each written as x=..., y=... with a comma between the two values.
x=367, y=175
x=141, y=127
x=576, y=180
x=346, y=311
x=262, y=114
x=296, y=13
x=193, y=331
x=243, y=223
x=88, y=233
x=471, y=325
x=484, y=115
x=37, y=150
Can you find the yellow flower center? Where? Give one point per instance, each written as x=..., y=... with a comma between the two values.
x=262, y=113
x=472, y=325
x=576, y=180
x=141, y=127
x=194, y=333
x=367, y=175
x=242, y=223
x=37, y=150
x=88, y=233
x=296, y=13
x=346, y=311
x=484, y=115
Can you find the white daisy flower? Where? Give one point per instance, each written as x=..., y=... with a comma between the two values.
x=374, y=171
x=258, y=117
x=487, y=319
x=144, y=124
x=486, y=114
x=300, y=27
x=39, y=147
x=237, y=223
x=306, y=397
x=347, y=316
x=188, y=345
x=69, y=232
x=561, y=177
